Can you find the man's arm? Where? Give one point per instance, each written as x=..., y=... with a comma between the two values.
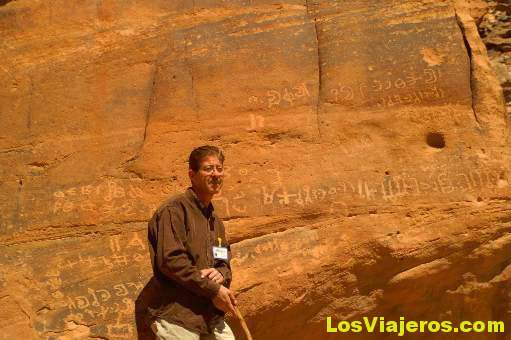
x=173, y=260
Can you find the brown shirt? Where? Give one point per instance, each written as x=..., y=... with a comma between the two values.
x=181, y=235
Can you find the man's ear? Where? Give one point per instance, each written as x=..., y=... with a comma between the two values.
x=191, y=173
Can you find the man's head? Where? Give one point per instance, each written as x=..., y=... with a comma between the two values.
x=206, y=169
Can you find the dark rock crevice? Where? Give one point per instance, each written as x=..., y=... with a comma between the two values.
x=461, y=26
x=312, y=12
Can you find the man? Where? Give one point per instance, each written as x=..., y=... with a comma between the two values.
x=190, y=257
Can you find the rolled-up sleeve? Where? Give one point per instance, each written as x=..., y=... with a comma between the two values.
x=172, y=258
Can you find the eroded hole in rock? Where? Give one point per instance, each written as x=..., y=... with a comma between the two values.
x=435, y=140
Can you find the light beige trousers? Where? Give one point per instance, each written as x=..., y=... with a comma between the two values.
x=165, y=330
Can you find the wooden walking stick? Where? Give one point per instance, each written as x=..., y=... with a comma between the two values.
x=243, y=323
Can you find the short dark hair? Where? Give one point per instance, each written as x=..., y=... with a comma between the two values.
x=203, y=151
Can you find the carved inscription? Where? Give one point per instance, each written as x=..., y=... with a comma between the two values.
x=107, y=275
x=287, y=96
x=257, y=193
x=121, y=198
x=390, y=188
x=123, y=252
x=99, y=302
x=412, y=88
x=303, y=241
x=256, y=122
x=241, y=200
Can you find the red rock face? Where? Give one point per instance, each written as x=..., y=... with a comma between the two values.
x=367, y=160
x=494, y=27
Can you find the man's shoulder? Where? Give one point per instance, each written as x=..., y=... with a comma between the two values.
x=172, y=202
x=177, y=201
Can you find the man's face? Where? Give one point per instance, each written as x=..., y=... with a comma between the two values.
x=209, y=178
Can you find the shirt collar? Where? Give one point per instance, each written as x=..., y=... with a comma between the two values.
x=207, y=211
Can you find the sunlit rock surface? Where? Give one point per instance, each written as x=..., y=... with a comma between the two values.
x=367, y=160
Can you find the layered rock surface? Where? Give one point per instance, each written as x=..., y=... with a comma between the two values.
x=367, y=160
x=495, y=30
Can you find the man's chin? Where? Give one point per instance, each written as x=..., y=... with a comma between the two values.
x=215, y=189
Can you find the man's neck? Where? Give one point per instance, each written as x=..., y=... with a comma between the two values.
x=204, y=198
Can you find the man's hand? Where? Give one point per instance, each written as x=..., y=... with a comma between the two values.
x=225, y=301
x=212, y=274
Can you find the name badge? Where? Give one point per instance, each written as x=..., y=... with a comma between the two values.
x=220, y=253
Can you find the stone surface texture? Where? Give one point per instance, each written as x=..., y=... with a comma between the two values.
x=367, y=169
x=495, y=30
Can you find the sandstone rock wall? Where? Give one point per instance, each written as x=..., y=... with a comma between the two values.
x=367, y=159
x=495, y=30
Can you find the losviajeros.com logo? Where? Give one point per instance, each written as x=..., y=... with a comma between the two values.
x=379, y=324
